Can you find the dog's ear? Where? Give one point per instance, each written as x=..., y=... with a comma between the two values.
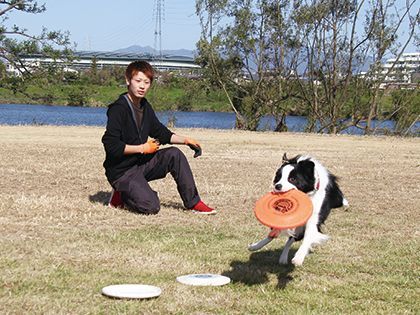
x=306, y=167
x=292, y=160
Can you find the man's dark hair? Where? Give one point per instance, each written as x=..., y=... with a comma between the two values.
x=139, y=66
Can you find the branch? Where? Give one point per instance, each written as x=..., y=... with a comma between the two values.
x=12, y=6
x=21, y=33
x=353, y=49
x=22, y=68
x=216, y=71
x=412, y=31
x=386, y=118
x=411, y=126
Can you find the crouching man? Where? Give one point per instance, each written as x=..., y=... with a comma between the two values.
x=133, y=160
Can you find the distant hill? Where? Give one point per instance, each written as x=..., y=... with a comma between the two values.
x=152, y=51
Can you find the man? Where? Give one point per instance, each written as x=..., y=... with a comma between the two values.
x=132, y=160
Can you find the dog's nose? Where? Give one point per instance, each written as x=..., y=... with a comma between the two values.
x=278, y=187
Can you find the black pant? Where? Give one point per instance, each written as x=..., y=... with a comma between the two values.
x=136, y=192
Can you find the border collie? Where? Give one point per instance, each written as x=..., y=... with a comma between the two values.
x=306, y=174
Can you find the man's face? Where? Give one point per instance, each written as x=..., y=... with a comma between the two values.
x=138, y=85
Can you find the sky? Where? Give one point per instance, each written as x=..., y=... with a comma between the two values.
x=107, y=25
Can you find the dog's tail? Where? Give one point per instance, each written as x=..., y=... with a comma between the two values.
x=320, y=238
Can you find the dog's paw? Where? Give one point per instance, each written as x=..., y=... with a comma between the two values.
x=298, y=260
x=253, y=247
x=283, y=260
x=258, y=245
x=346, y=204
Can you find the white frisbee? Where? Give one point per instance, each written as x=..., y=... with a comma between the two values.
x=203, y=279
x=131, y=291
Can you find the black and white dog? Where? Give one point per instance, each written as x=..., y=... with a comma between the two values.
x=306, y=174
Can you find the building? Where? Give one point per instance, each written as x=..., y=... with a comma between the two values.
x=84, y=59
x=402, y=71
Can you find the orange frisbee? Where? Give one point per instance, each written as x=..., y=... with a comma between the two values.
x=283, y=210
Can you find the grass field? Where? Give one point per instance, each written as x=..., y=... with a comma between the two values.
x=60, y=244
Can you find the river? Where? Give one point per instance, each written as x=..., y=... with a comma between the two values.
x=22, y=114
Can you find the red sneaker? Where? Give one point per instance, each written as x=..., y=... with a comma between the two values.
x=202, y=208
x=116, y=201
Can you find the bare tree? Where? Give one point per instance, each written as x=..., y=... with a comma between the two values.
x=334, y=50
x=244, y=44
x=386, y=23
x=277, y=57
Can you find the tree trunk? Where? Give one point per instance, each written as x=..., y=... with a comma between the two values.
x=281, y=124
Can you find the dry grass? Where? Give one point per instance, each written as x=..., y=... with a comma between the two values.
x=60, y=244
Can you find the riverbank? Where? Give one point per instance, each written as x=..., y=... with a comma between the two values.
x=163, y=97
x=61, y=244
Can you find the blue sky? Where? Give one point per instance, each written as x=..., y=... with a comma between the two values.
x=107, y=25
x=110, y=25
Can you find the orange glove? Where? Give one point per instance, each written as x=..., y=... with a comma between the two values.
x=194, y=145
x=150, y=146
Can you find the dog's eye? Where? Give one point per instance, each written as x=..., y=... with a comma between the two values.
x=292, y=179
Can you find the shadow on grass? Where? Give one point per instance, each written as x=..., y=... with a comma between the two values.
x=172, y=204
x=101, y=197
x=257, y=269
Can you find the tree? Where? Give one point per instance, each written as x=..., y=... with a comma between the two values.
x=280, y=88
x=386, y=20
x=16, y=42
x=334, y=52
x=242, y=46
x=275, y=56
x=406, y=110
x=328, y=56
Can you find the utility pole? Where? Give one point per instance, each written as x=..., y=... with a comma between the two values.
x=159, y=13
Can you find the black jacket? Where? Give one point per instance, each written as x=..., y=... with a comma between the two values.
x=121, y=129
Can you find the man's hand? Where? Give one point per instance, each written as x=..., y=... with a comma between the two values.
x=194, y=145
x=150, y=146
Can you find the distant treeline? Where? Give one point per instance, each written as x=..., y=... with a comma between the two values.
x=99, y=88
